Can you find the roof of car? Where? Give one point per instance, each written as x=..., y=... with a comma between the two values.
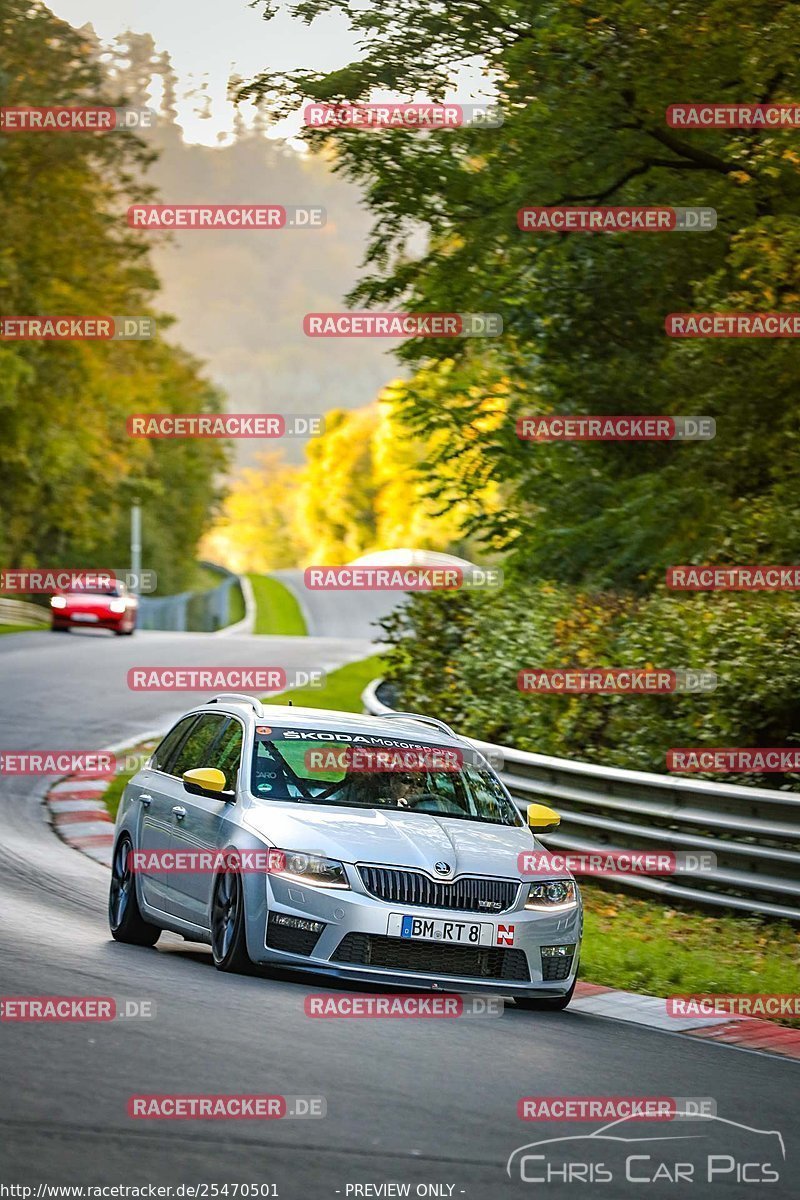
x=295, y=716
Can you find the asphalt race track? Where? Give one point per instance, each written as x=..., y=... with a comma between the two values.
x=408, y=1101
x=339, y=614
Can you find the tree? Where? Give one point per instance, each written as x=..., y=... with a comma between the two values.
x=362, y=489
x=69, y=469
x=584, y=94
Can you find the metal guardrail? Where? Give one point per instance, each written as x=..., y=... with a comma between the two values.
x=200, y=612
x=20, y=612
x=753, y=832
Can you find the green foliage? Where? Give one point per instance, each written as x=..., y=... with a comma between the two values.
x=69, y=470
x=458, y=655
x=341, y=691
x=584, y=93
x=277, y=610
x=646, y=946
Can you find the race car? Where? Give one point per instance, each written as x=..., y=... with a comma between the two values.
x=374, y=849
x=113, y=607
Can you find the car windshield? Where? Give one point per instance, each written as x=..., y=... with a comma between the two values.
x=113, y=589
x=360, y=771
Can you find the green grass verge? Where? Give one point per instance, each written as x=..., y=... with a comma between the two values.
x=342, y=690
x=113, y=793
x=20, y=628
x=647, y=946
x=277, y=610
x=236, y=609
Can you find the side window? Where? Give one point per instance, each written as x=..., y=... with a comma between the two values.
x=161, y=757
x=195, y=751
x=227, y=754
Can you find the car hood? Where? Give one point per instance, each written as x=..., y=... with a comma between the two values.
x=94, y=602
x=392, y=838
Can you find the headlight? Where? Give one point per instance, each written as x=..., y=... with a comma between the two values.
x=58, y=602
x=553, y=896
x=311, y=869
x=117, y=606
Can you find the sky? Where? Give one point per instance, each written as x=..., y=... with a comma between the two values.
x=209, y=40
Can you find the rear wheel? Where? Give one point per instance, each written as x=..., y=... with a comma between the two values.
x=546, y=1003
x=228, y=941
x=124, y=917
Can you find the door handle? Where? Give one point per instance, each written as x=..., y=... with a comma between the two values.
x=179, y=811
x=146, y=800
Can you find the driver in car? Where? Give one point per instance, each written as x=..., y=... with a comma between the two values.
x=390, y=789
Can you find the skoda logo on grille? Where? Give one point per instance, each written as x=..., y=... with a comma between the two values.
x=443, y=868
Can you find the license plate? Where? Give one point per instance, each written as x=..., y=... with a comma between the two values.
x=84, y=616
x=463, y=933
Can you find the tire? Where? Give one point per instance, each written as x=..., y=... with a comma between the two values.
x=59, y=629
x=546, y=1004
x=124, y=917
x=228, y=941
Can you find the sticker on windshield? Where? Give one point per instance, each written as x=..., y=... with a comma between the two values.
x=327, y=735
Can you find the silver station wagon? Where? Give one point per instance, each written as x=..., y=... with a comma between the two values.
x=378, y=849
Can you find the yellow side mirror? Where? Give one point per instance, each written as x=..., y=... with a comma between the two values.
x=210, y=779
x=542, y=819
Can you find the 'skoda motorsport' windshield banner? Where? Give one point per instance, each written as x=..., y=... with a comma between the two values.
x=331, y=750
x=366, y=753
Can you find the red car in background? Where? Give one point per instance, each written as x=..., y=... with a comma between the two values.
x=113, y=608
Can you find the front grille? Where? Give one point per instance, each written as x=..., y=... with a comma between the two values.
x=290, y=940
x=431, y=958
x=556, y=968
x=417, y=890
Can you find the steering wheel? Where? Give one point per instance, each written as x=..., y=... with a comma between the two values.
x=440, y=803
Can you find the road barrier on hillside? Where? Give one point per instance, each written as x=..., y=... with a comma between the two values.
x=200, y=612
x=20, y=612
x=753, y=832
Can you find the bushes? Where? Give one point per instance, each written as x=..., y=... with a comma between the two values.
x=457, y=656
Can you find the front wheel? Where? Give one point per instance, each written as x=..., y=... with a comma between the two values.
x=546, y=1003
x=228, y=941
x=124, y=917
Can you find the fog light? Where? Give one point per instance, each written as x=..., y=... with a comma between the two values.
x=557, y=951
x=297, y=923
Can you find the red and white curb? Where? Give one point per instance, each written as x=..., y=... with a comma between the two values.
x=81, y=819
x=77, y=812
x=749, y=1033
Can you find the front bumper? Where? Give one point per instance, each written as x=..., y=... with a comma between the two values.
x=112, y=621
x=355, y=943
